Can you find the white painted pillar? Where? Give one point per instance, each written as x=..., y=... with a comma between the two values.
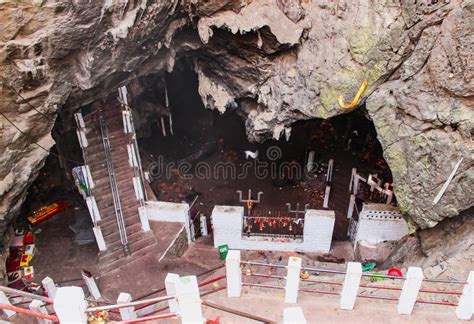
x=99, y=238
x=171, y=281
x=203, y=220
x=126, y=313
x=70, y=305
x=410, y=290
x=292, y=280
x=37, y=306
x=49, y=286
x=233, y=273
x=465, y=308
x=326, y=196
x=189, y=300
x=293, y=315
x=350, y=210
x=4, y=300
x=144, y=218
x=351, y=285
x=91, y=285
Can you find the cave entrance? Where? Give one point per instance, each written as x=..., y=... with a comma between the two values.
x=201, y=153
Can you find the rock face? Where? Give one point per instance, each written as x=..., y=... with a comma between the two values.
x=276, y=61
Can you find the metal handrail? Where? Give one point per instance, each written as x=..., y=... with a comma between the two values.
x=132, y=140
x=113, y=186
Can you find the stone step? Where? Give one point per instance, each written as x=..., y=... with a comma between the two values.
x=121, y=260
x=113, y=241
x=109, y=223
x=112, y=260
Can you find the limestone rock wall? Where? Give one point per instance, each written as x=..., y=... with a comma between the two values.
x=277, y=61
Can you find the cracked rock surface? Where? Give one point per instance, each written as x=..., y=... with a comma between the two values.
x=276, y=61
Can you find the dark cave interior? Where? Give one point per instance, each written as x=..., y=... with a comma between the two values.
x=185, y=164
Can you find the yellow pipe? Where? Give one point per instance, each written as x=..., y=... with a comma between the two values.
x=356, y=99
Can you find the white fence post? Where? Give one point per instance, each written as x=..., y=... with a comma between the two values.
x=292, y=280
x=410, y=290
x=293, y=315
x=351, y=285
x=350, y=210
x=171, y=281
x=465, y=308
x=203, y=220
x=126, y=313
x=189, y=300
x=4, y=300
x=233, y=273
x=49, y=286
x=91, y=285
x=37, y=306
x=327, y=192
x=70, y=305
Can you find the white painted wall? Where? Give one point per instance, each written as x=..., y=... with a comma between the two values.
x=167, y=211
x=380, y=222
x=317, y=233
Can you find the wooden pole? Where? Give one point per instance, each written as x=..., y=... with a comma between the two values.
x=238, y=312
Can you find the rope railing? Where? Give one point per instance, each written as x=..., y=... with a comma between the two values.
x=134, y=303
x=29, y=312
x=18, y=293
x=248, y=272
x=149, y=318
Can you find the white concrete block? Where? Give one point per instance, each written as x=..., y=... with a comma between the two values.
x=93, y=209
x=167, y=211
x=171, y=281
x=189, y=300
x=144, y=218
x=233, y=274
x=49, y=286
x=79, y=120
x=99, y=238
x=4, y=300
x=70, y=305
x=126, y=313
x=91, y=285
x=203, y=221
x=293, y=315
x=137, y=186
x=465, y=308
x=292, y=280
x=350, y=288
x=37, y=306
x=81, y=137
x=411, y=287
